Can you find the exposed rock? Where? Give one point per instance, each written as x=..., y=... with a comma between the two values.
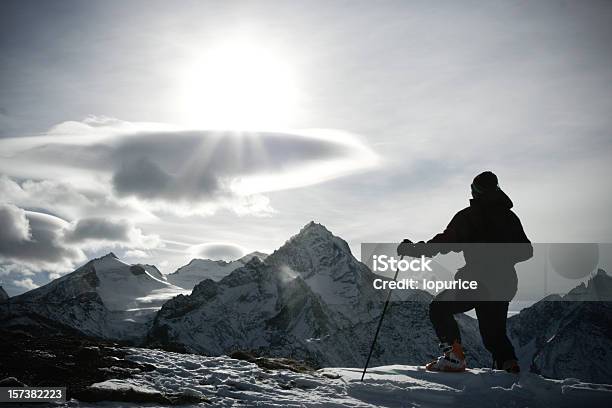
x=120, y=391
x=117, y=390
x=568, y=336
x=62, y=359
x=274, y=363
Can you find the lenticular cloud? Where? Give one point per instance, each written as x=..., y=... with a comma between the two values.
x=162, y=164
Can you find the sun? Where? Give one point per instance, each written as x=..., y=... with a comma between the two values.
x=239, y=85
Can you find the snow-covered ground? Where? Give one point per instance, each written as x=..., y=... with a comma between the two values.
x=227, y=382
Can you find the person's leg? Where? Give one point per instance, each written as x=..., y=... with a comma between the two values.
x=441, y=313
x=492, y=318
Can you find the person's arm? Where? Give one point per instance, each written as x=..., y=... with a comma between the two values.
x=449, y=240
x=456, y=233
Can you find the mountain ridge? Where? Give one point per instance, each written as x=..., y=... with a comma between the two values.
x=312, y=300
x=188, y=275
x=558, y=334
x=330, y=319
x=105, y=298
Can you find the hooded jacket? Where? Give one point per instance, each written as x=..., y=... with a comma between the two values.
x=478, y=231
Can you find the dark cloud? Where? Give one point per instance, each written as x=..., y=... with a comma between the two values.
x=44, y=246
x=141, y=177
x=33, y=242
x=145, y=179
x=98, y=229
x=228, y=152
x=98, y=232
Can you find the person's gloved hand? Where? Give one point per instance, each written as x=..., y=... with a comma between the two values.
x=407, y=248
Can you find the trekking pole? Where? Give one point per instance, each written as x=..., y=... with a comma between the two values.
x=382, y=316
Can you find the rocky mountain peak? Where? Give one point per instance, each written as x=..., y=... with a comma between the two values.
x=601, y=276
x=3, y=295
x=254, y=261
x=250, y=255
x=110, y=255
x=314, y=229
x=314, y=235
x=313, y=250
x=598, y=287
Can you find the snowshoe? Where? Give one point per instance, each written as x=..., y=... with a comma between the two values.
x=452, y=359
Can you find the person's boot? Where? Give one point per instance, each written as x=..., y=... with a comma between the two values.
x=453, y=359
x=511, y=366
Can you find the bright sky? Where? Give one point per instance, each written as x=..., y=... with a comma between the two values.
x=168, y=130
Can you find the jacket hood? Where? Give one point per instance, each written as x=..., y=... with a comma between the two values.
x=497, y=199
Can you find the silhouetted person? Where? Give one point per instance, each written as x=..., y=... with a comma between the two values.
x=478, y=231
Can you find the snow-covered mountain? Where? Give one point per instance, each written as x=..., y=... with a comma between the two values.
x=568, y=336
x=310, y=299
x=197, y=270
x=154, y=272
x=105, y=298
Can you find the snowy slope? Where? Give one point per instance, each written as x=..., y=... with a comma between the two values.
x=568, y=336
x=153, y=271
x=226, y=382
x=105, y=297
x=197, y=270
x=124, y=287
x=310, y=299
